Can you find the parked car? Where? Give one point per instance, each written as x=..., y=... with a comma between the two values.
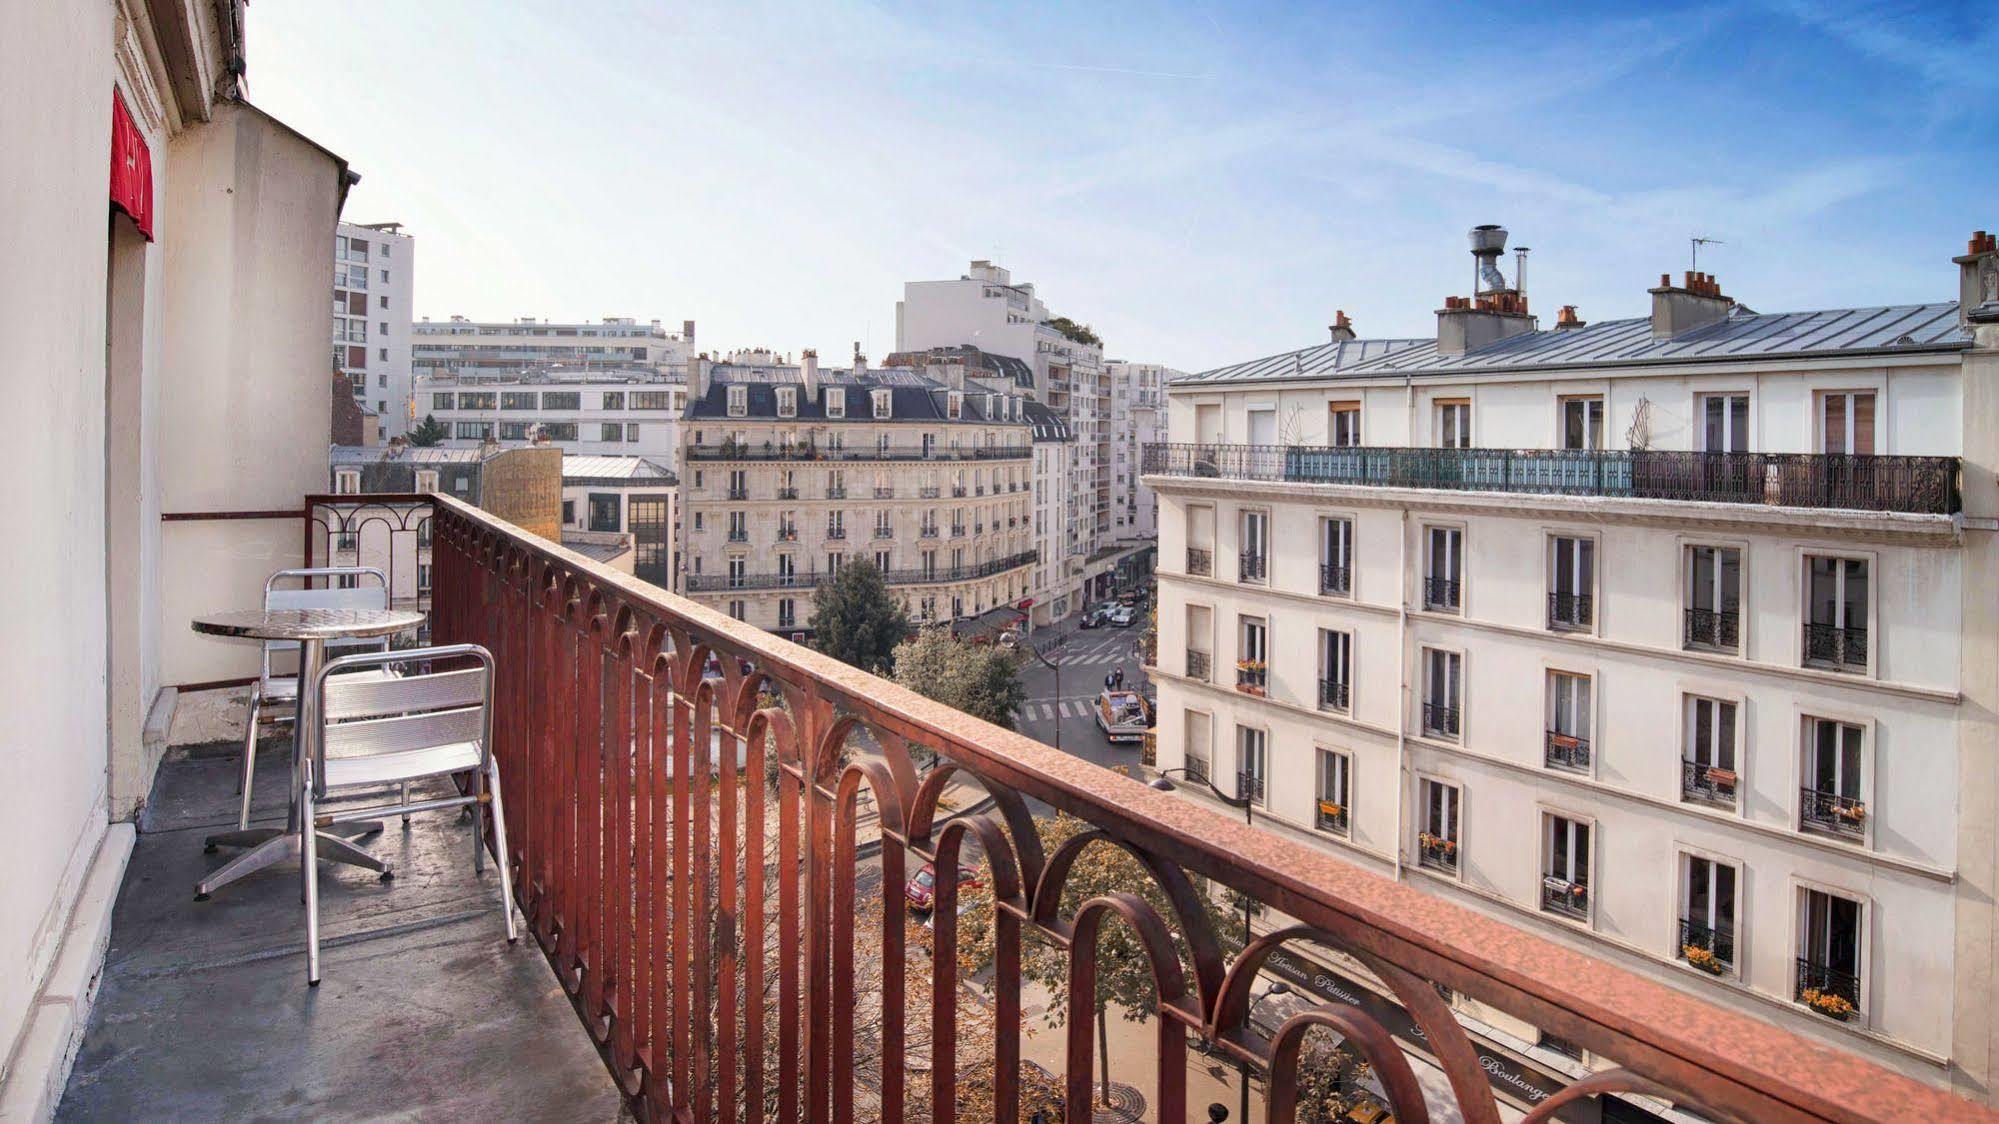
x=1121, y=617
x=1093, y=617
x=922, y=889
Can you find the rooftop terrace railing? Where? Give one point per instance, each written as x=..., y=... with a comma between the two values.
x=752, y=452
x=807, y=579
x=1916, y=485
x=702, y=917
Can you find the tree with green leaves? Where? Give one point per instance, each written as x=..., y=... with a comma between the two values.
x=856, y=620
x=428, y=432
x=1124, y=974
x=980, y=679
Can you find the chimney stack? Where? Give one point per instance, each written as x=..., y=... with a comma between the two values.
x=1494, y=311
x=698, y=375
x=860, y=359
x=1694, y=304
x=1568, y=321
x=1978, y=282
x=808, y=369
x=1342, y=328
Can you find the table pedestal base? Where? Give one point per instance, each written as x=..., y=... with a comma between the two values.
x=269, y=844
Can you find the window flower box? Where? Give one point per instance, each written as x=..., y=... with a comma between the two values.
x=1704, y=959
x=1831, y=1004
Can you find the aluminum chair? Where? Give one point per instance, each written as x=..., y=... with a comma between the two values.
x=272, y=691
x=383, y=732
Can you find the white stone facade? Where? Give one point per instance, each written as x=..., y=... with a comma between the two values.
x=1637, y=723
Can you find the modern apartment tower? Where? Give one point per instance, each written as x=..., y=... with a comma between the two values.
x=374, y=279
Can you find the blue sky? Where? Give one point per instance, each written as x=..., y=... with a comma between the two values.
x=1202, y=183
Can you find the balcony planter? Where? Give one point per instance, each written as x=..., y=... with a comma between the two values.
x=1831, y=1004
x=1855, y=813
x=1721, y=777
x=1330, y=808
x=1704, y=959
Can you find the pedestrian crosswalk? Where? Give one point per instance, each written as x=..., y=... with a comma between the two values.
x=1047, y=711
x=1107, y=657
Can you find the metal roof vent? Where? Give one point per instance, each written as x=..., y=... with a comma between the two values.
x=1488, y=241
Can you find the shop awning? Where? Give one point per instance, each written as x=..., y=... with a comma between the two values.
x=131, y=168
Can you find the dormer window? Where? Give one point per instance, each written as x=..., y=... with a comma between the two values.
x=881, y=398
x=787, y=401
x=836, y=401
x=954, y=405
x=992, y=407
x=1016, y=407
x=739, y=401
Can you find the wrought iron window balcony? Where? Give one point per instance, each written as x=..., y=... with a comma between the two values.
x=739, y=536
x=931, y=575
x=787, y=493
x=1252, y=680
x=1249, y=786
x=883, y=531
x=726, y=452
x=1330, y=815
x=1830, y=812
x=1441, y=594
x=958, y=492
x=958, y=532
x=1567, y=751
x=787, y=622
x=1827, y=980
x=739, y=493
x=1200, y=665
x=1714, y=629
x=787, y=534
x=926, y=532
x=836, y=493
x=928, y=492
x=1710, y=783
x=1843, y=649
x=1437, y=852
x=1252, y=566
x=1333, y=695
x=1440, y=720
x=1337, y=580
x=1916, y=485
x=615, y=961
x=979, y=491
x=1197, y=767
x=1696, y=937
x=1571, y=611
x=887, y=493
x=1200, y=563
x=836, y=532
x=978, y=528
x=1570, y=899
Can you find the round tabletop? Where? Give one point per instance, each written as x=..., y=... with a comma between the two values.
x=307, y=624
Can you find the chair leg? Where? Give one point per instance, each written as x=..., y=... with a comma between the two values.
x=249, y=773
x=500, y=845
x=309, y=859
x=406, y=803
x=478, y=823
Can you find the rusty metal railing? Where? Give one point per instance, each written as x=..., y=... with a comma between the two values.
x=683, y=821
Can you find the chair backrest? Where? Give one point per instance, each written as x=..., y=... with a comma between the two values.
x=365, y=714
x=369, y=591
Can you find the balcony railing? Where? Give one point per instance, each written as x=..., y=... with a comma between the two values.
x=712, y=583
x=1333, y=695
x=1200, y=563
x=1831, y=812
x=1718, y=629
x=649, y=862
x=885, y=492
x=1252, y=566
x=1337, y=580
x=1199, y=665
x=739, y=493
x=787, y=493
x=1252, y=680
x=836, y=493
x=1834, y=646
x=871, y=453
x=1440, y=720
x=1571, y=610
x=1567, y=751
x=1711, y=783
x=1441, y=594
x=1437, y=852
x=836, y=533
x=1917, y=485
x=927, y=492
x=1720, y=942
x=1570, y=899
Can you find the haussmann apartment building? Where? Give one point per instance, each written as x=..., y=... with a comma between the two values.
x=1671, y=637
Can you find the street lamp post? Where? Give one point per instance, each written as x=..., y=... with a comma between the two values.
x=1054, y=646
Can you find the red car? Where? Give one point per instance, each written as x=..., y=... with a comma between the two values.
x=922, y=889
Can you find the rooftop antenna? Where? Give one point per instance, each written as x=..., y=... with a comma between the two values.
x=1694, y=257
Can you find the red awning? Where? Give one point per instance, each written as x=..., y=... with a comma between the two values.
x=131, y=168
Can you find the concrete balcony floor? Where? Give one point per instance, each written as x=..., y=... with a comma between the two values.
x=424, y=1011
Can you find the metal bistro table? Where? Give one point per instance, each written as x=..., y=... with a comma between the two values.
x=311, y=628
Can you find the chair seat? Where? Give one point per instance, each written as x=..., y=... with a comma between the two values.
x=284, y=688
x=403, y=765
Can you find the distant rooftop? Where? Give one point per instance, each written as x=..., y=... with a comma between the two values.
x=579, y=468
x=985, y=363
x=914, y=396
x=1744, y=334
